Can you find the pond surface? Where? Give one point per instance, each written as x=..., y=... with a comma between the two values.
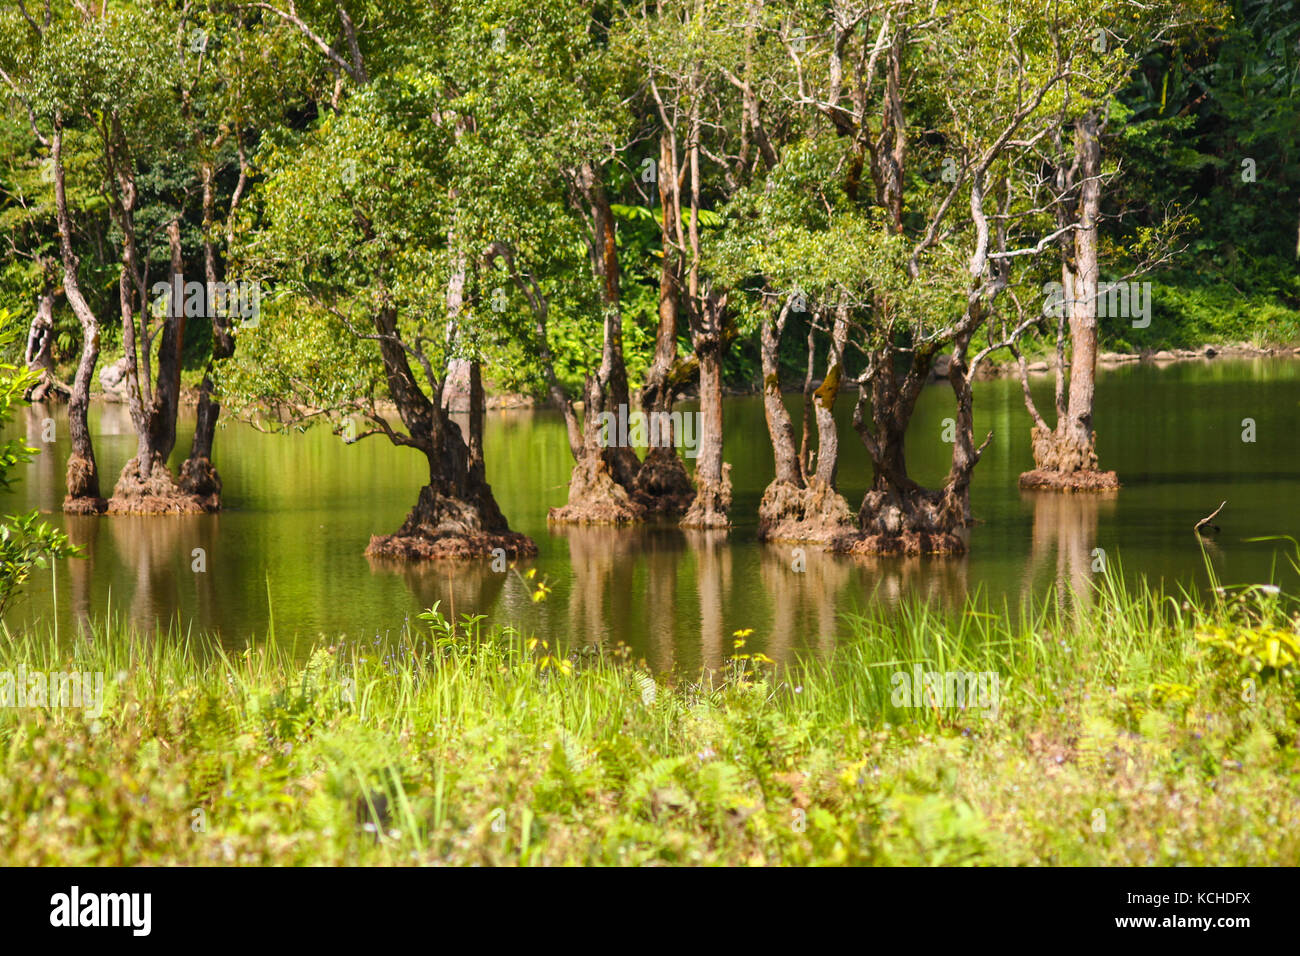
x=288, y=549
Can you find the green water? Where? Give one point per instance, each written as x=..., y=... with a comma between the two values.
x=300, y=510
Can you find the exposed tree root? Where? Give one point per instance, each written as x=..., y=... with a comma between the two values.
x=83, y=496
x=1081, y=481
x=711, y=504
x=450, y=544
x=595, y=498
x=920, y=522
x=154, y=494
x=84, y=506
x=199, y=478
x=817, y=513
x=662, y=485
x=440, y=526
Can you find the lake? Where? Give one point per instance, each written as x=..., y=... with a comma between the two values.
x=288, y=548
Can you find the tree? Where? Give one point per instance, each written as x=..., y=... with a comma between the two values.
x=375, y=280
x=920, y=131
x=1065, y=456
x=238, y=80
x=38, y=77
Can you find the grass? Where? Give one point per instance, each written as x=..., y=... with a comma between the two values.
x=1137, y=729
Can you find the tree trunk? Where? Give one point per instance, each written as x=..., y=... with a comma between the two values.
x=712, y=476
x=806, y=452
x=898, y=516
x=146, y=485
x=603, y=483
x=39, y=354
x=83, y=474
x=1065, y=458
x=662, y=483
x=596, y=496
x=456, y=515
x=199, y=476
x=780, y=427
x=828, y=442
x=708, y=310
x=792, y=510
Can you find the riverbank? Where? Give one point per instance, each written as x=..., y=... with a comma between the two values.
x=1207, y=353
x=1144, y=731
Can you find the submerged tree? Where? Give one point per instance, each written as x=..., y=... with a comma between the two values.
x=44, y=73
x=354, y=224
x=114, y=73
x=918, y=151
x=1065, y=455
x=238, y=77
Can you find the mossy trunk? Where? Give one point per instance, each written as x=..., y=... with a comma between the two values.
x=792, y=509
x=1065, y=457
x=83, y=494
x=712, y=476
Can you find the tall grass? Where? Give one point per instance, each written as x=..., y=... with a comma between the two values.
x=450, y=743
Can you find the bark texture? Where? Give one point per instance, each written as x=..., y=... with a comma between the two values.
x=39, y=354
x=1065, y=457
x=793, y=509
x=82, y=480
x=712, y=476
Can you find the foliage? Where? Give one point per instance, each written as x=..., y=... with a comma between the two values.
x=450, y=745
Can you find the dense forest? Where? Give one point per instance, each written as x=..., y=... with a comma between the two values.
x=374, y=216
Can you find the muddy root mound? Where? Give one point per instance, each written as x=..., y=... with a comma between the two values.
x=200, y=480
x=595, y=498
x=662, y=485
x=84, y=506
x=153, y=494
x=817, y=513
x=1041, y=479
x=712, y=502
x=441, y=526
x=451, y=544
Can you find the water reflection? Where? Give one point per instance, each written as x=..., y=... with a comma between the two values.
x=40, y=427
x=300, y=509
x=456, y=588
x=83, y=531
x=713, y=576
x=168, y=560
x=1065, y=526
x=804, y=587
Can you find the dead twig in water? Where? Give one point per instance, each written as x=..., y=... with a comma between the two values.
x=1208, y=518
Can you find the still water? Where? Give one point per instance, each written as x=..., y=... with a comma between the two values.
x=288, y=549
